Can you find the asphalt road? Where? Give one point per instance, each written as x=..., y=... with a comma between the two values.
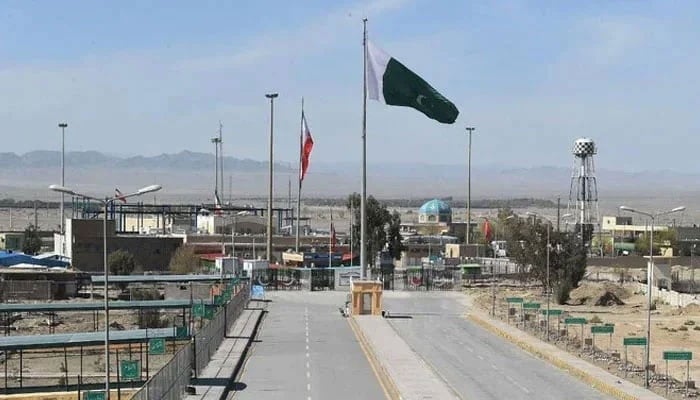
x=291, y=361
x=475, y=363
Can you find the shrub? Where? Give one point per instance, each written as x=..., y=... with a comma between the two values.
x=696, y=328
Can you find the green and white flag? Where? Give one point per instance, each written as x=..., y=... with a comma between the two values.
x=391, y=82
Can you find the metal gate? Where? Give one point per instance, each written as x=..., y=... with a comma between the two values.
x=427, y=279
x=278, y=278
x=322, y=279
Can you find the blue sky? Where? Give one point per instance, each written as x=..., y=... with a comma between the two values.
x=531, y=76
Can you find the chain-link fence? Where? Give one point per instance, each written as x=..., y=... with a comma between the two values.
x=170, y=382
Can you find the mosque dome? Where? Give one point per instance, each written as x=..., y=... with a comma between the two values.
x=435, y=211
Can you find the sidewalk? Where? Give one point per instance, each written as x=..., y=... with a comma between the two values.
x=598, y=378
x=218, y=374
x=413, y=378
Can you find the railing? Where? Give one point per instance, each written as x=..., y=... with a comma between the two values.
x=170, y=382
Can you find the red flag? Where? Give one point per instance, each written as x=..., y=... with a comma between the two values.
x=119, y=195
x=307, y=146
x=217, y=204
x=487, y=230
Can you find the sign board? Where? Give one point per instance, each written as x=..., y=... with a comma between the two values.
x=209, y=313
x=634, y=341
x=531, y=306
x=181, y=332
x=129, y=369
x=551, y=312
x=94, y=395
x=257, y=292
x=347, y=276
x=156, y=346
x=678, y=355
x=198, y=310
x=573, y=321
x=514, y=299
x=602, y=329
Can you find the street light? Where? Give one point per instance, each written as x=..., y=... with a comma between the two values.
x=63, y=127
x=105, y=203
x=469, y=184
x=650, y=278
x=548, y=288
x=272, y=97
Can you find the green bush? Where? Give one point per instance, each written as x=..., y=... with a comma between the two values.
x=562, y=292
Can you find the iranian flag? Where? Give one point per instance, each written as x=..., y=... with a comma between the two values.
x=307, y=144
x=392, y=83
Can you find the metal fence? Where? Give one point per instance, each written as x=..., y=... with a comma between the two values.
x=170, y=382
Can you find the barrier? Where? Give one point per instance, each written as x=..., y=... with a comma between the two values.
x=170, y=382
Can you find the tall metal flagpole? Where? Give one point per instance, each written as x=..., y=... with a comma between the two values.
x=363, y=215
x=301, y=150
x=221, y=157
x=330, y=240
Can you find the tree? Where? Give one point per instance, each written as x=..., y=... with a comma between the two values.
x=662, y=239
x=382, y=227
x=32, y=242
x=184, y=261
x=394, y=236
x=528, y=247
x=121, y=262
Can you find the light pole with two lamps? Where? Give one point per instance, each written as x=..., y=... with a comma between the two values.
x=105, y=203
x=650, y=278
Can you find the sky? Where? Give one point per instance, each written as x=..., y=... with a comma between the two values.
x=152, y=77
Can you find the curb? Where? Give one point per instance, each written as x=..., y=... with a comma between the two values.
x=596, y=383
x=390, y=390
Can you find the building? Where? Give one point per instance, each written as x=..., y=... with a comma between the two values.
x=622, y=227
x=244, y=224
x=11, y=241
x=84, y=246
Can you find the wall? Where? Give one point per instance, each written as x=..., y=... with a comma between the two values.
x=669, y=296
x=151, y=253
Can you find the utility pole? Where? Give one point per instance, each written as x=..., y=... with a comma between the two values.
x=63, y=127
x=272, y=97
x=469, y=186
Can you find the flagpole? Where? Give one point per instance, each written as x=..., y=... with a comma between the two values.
x=301, y=149
x=363, y=216
x=352, y=219
x=330, y=241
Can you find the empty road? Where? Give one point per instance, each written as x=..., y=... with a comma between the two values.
x=475, y=363
x=307, y=350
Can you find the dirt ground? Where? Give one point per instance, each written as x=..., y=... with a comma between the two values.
x=672, y=328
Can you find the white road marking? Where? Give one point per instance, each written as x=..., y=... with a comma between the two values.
x=494, y=367
x=307, y=354
x=308, y=375
x=480, y=357
x=307, y=347
x=307, y=338
x=307, y=365
x=523, y=388
x=308, y=387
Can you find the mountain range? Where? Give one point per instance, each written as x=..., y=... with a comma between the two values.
x=188, y=176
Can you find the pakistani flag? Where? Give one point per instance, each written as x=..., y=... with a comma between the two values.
x=391, y=82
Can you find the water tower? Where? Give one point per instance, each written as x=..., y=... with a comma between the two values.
x=583, y=192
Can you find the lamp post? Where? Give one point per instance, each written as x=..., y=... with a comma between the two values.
x=469, y=185
x=105, y=203
x=548, y=288
x=63, y=127
x=272, y=97
x=650, y=278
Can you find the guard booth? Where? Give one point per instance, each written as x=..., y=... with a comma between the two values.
x=366, y=297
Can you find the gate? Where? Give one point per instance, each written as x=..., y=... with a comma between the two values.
x=322, y=279
x=428, y=279
x=278, y=278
